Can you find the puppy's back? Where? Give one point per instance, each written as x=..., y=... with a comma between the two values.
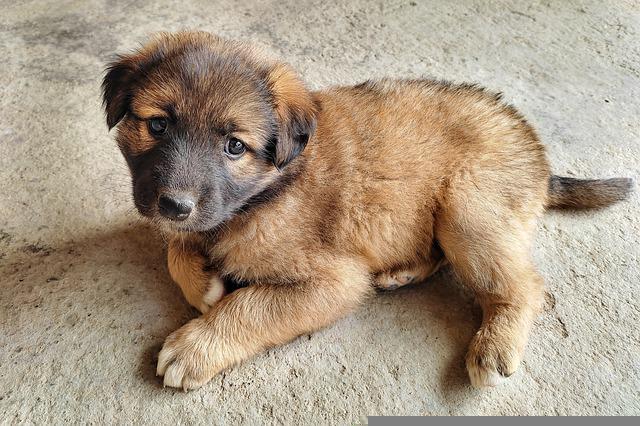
x=412, y=124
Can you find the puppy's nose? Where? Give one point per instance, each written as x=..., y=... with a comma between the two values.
x=175, y=206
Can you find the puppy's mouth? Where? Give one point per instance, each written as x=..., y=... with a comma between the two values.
x=167, y=223
x=193, y=224
x=173, y=210
x=169, y=227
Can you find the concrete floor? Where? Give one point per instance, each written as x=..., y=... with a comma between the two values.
x=85, y=297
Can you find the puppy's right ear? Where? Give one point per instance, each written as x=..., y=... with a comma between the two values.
x=296, y=112
x=116, y=89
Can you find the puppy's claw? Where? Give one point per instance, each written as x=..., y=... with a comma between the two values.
x=174, y=374
x=489, y=364
x=164, y=359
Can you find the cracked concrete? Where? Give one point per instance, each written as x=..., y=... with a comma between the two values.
x=86, y=299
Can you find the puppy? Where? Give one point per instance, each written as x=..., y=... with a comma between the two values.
x=310, y=200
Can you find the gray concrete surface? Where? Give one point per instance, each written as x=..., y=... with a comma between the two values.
x=85, y=297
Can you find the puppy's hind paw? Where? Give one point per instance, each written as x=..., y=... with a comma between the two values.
x=390, y=281
x=482, y=376
x=490, y=362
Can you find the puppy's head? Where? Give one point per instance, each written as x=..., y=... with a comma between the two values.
x=205, y=125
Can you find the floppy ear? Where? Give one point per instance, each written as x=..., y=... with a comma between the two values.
x=296, y=113
x=116, y=89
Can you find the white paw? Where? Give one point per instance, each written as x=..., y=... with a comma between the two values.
x=187, y=359
x=215, y=292
x=391, y=281
x=490, y=361
x=484, y=377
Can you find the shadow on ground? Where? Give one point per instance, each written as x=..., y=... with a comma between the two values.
x=90, y=311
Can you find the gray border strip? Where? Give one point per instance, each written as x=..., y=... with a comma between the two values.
x=500, y=421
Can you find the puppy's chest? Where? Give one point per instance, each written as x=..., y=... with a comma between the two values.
x=253, y=254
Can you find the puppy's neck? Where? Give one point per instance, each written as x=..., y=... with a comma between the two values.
x=278, y=188
x=269, y=195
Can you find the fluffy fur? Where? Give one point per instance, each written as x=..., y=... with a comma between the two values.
x=339, y=191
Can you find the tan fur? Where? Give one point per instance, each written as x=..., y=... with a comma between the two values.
x=187, y=266
x=395, y=164
x=394, y=171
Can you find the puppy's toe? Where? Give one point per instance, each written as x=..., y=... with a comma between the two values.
x=215, y=292
x=391, y=281
x=489, y=362
x=482, y=376
x=187, y=360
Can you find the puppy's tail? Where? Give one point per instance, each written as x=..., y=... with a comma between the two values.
x=576, y=194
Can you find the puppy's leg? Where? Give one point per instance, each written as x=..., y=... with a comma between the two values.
x=401, y=277
x=187, y=264
x=491, y=252
x=254, y=318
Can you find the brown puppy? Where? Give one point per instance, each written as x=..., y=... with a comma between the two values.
x=310, y=199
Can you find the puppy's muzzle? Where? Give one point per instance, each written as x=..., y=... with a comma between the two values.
x=176, y=206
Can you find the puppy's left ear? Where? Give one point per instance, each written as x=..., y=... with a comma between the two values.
x=296, y=113
x=116, y=89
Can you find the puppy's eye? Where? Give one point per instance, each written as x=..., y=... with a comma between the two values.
x=158, y=126
x=234, y=147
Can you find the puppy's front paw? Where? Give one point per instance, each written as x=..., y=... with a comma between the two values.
x=491, y=360
x=188, y=359
x=215, y=291
x=188, y=268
